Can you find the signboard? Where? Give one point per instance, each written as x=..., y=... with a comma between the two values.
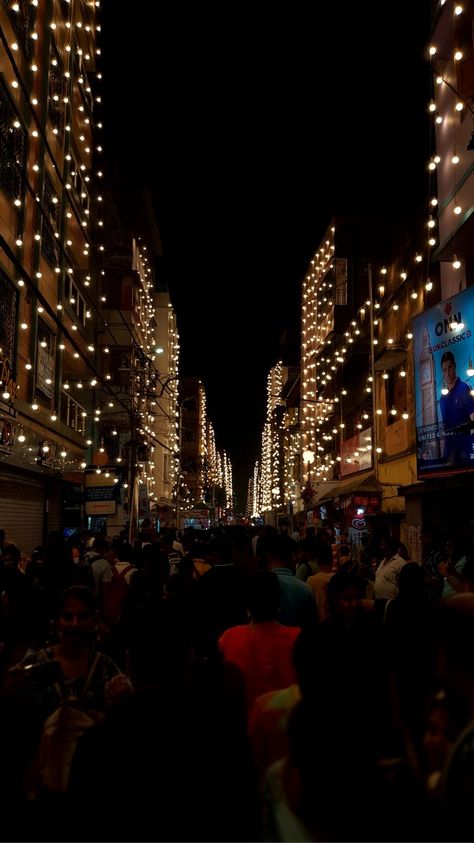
x=197, y=518
x=100, y=507
x=101, y=488
x=444, y=386
x=143, y=501
x=356, y=453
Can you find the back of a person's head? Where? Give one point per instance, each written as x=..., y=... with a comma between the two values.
x=55, y=539
x=323, y=555
x=125, y=552
x=280, y=548
x=222, y=549
x=100, y=545
x=391, y=543
x=263, y=596
x=158, y=645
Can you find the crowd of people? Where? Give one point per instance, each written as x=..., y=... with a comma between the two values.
x=235, y=684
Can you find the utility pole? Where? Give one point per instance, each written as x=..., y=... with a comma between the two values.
x=372, y=373
x=178, y=485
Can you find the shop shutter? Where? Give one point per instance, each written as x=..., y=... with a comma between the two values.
x=22, y=509
x=55, y=506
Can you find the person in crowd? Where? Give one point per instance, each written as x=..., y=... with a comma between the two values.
x=438, y=738
x=296, y=602
x=220, y=596
x=306, y=558
x=408, y=646
x=177, y=750
x=345, y=557
x=402, y=551
x=259, y=534
x=262, y=649
x=24, y=608
x=450, y=567
x=318, y=583
x=453, y=632
x=59, y=568
x=74, y=653
x=99, y=563
x=388, y=572
x=147, y=532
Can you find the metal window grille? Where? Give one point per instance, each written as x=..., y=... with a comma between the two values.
x=72, y=413
x=22, y=21
x=12, y=147
x=56, y=94
x=50, y=223
x=8, y=302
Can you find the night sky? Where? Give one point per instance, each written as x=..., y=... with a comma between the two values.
x=252, y=124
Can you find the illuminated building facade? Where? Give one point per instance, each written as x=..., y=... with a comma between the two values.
x=51, y=214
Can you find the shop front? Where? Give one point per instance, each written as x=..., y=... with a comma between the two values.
x=350, y=508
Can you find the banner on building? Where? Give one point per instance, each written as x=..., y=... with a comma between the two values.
x=444, y=386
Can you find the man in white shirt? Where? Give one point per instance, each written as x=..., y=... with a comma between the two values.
x=388, y=572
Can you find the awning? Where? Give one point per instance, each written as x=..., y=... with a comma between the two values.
x=322, y=490
x=364, y=482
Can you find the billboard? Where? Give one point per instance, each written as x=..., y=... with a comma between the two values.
x=444, y=387
x=356, y=453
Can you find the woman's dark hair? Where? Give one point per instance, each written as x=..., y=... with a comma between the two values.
x=78, y=592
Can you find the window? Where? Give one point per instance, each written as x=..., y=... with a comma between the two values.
x=75, y=300
x=50, y=223
x=46, y=360
x=396, y=394
x=12, y=147
x=8, y=308
x=78, y=181
x=22, y=22
x=56, y=94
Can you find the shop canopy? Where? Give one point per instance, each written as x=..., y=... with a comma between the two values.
x=364, y=483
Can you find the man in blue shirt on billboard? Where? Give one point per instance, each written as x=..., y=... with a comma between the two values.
x=457, y=410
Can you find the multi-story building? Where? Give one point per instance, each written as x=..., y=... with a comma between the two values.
x=357, y=404
x=205, y=492
x=443, y=493
x=135, y=400
x=49, y=208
